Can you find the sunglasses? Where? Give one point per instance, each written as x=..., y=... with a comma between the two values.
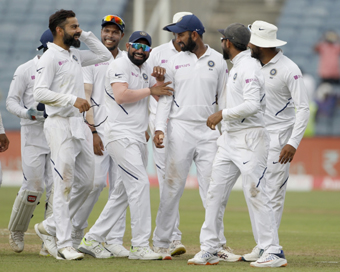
x=114, y=19
x=137, y=46
x=223, y=39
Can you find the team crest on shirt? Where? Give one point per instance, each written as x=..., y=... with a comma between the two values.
x=145, y=76
x=235, y=76
x=273, y=72
x=211, y=63
x=75, y=58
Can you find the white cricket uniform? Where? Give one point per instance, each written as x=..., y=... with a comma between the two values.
x=160, y=56
x=104, y=165
x=242, y=148
x=59, y=82
x=285, y=92
x=2, y=131
x=198, y=83
x=35, y=153
x=125, y=141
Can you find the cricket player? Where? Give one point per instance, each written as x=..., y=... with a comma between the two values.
x=198, y=75
x=35, y=153
x=160, y=56
x=94, y=82
x=4, y=143
x=286, y=115
x=130, y=82
x=59, y=85
x=243, y=149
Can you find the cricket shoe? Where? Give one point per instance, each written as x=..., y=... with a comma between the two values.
x=204, y=258
x=270, y=260
x=117, y=250
x=227, y=255
x=177, y=248
x=48, y=240
x=94, y=249
x=43, y=251
x=253, y=256
x=143, y=253
x=162, y=251
x=77, y=236
x=16, y=240
x=69, y=253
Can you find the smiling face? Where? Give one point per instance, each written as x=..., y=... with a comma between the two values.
x=111, y=36
x=185, y=41
x=72, y=32
x=137, y=56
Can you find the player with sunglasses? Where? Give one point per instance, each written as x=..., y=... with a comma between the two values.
x=111, y=34
x=129, y=83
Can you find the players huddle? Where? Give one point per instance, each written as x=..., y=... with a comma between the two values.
x=180, y=91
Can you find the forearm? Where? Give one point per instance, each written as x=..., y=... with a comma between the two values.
x=163, y=111
x=14, y=107
x=247, y=108
x=301, y=121
x=47, y=97
x=89, y=113
x=123, y=95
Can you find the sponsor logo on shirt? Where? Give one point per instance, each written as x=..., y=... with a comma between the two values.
x=132, y=73
x=251, y=80
x=181, y=66
x=40, y=70
x=164, y=61
x=273, y=72
x=297, y=77
x=62, y=62
x=103, y=63
x=75, y=58
x=33, y=77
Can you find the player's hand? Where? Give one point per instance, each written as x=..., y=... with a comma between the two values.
x=98, y=146
x=147, y=136
x=158, y=139
x=4, y=142
x=82, y=104
x=34, y=114
x=287, y=154
x=158, y=73
x=162, y=89
x=214, y=119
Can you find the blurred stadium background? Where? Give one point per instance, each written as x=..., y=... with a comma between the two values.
x=301, y=23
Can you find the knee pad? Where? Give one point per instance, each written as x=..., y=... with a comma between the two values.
x=23, y=208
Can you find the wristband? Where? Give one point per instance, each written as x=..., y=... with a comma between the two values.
x=94, y=132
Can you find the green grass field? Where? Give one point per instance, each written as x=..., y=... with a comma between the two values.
x=309, y=234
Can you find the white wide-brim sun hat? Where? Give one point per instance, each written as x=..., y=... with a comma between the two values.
x=263, y=35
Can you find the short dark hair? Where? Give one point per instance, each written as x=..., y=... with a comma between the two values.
x=58, y=19
x=239, y=47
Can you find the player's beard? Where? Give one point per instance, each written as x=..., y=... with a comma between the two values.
x=255, y=53
x=137, y=62
x=113, y=47
x=70, y=40
x=226, y=53
x=190, y=46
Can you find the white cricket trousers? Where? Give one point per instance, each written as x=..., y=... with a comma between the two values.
x=104, y=165
x=159, y=156
x=277, y=174
x=242, y=152
x=187, y=142
x=35, y=158
x=132, y=189
x=70, y=141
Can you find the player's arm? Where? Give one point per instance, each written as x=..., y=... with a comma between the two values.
x=97, y=53
x=4, y=142
x=299, y=94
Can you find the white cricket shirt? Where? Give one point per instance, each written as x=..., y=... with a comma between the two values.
x=285, y=92
x=127, y=120
x=245, y=97
x=95, y=75
x=2, y=129
x=20, y=95
x=198, y=83
x=59, y=78
x=160, y=56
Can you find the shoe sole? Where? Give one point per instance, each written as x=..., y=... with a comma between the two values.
x=249, y=260
x=60, y=255
x=264, y=266
x=167, y=258
x=136, y=258
x=85, y=251
x=203, y=264
x=178, y=251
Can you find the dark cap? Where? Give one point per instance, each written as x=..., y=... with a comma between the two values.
x=186, y=23
x=113, y=20
x=137, y=35
x=237, y=33
x=45, y=38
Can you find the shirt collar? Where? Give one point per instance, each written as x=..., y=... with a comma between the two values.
x=276, y=58
x=171, y=46
x=237, y=59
